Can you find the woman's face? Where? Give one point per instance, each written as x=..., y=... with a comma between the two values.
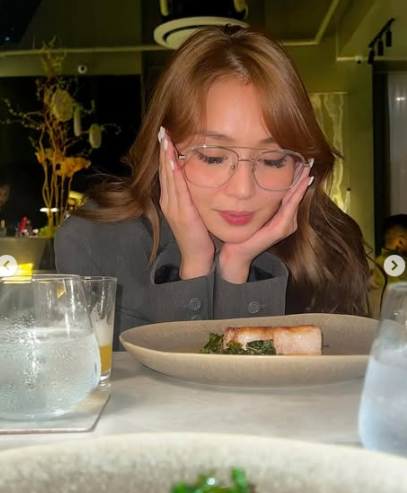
x=4, y=194
x=238, y=209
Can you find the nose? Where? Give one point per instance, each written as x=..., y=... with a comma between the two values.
x=242, y=184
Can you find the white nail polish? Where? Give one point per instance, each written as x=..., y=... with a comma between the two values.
x=311, y=162
x=311, y=180
x=162, y=132
x=172, y=165
x=165, y=144
x=159, y=136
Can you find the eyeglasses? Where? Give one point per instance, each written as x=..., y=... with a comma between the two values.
x=212, y=166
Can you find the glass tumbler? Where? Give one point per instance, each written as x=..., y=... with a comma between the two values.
x=100, y=293
x=49, y=355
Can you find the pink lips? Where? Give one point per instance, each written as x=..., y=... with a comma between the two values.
x=236, y=218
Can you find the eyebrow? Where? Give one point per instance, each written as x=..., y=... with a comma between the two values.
x=218, y=136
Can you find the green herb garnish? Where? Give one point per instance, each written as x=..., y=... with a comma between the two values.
x=254, y=348
x=261, y=347
x=208, y=484
x=214, y=345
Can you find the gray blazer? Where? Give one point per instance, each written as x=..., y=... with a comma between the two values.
x=122, y=250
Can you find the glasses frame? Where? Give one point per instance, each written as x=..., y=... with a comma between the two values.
x=234, y=166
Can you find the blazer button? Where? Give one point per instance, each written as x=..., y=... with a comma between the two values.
x=253, y=307
x=195, y=304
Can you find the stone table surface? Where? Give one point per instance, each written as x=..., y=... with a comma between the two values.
x=145, y=401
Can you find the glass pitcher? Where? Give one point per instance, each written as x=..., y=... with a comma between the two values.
x=49, y=355
x=383, y=409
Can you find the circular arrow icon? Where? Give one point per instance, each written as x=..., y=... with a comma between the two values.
x=8, y=266
x=394, y=265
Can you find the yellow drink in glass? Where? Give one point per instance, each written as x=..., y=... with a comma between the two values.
x=104, y=335
x=101, y=297
x=106, y=358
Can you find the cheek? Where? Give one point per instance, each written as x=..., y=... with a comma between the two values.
x=271, y=204
x=201, y=198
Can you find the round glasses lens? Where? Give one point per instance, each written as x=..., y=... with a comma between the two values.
x=278, y=170
x=209, y=166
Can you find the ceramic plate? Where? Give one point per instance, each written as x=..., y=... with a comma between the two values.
x=172, y=348
x=153, y=463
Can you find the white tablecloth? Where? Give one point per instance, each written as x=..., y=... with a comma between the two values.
x=145, y=401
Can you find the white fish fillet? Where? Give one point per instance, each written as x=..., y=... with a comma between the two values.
x=299, y=340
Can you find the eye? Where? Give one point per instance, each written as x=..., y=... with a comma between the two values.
x=275, y=163
x=210, y=159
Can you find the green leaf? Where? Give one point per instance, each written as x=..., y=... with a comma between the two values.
x=208, y=484
x=234, y=348
x=261, y=348
x=254, y=348
x=214, y=345
x=240, y=481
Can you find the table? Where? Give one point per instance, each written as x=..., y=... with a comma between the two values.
x=145, y=401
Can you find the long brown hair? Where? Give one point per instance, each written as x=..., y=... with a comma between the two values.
x=325, y=256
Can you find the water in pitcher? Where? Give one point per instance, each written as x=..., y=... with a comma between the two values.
x=44, y=373
x=383, y=411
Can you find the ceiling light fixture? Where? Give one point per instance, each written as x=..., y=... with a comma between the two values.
x=389, y=38
x=370, y=60
x=380, y=47
x=183, y=17
x=377, y=41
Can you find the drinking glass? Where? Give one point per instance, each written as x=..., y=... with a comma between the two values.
x=383, y=409
x=49, y=356
x=100, y=293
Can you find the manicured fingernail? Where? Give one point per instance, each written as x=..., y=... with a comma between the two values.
x=165, y=144
x=162, y=130
x=311, y=162
x=172, y=165
x=311, y=180
x=159, y=136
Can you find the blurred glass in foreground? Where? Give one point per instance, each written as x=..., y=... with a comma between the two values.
x=383, y=409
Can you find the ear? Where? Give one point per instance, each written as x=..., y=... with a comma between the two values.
x=402, y=241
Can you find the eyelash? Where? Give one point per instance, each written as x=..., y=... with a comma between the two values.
x=208, y=160
x=280, y=163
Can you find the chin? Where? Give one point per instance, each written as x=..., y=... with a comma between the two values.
x=233, y=235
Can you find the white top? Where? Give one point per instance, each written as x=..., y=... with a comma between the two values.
x=145, y=401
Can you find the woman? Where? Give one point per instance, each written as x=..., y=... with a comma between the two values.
x=220, y=217
x=5, y=189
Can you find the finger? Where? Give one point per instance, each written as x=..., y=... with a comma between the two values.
x=168, y=169
x=304, y=174
x=170, y=200
x=164, y=199
x=178, y=180
x=293, y=201
x=289, y=208
x=183, y=193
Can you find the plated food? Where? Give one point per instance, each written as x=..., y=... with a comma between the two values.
x=156, y=462
x=174, y=349
x=265, y=340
